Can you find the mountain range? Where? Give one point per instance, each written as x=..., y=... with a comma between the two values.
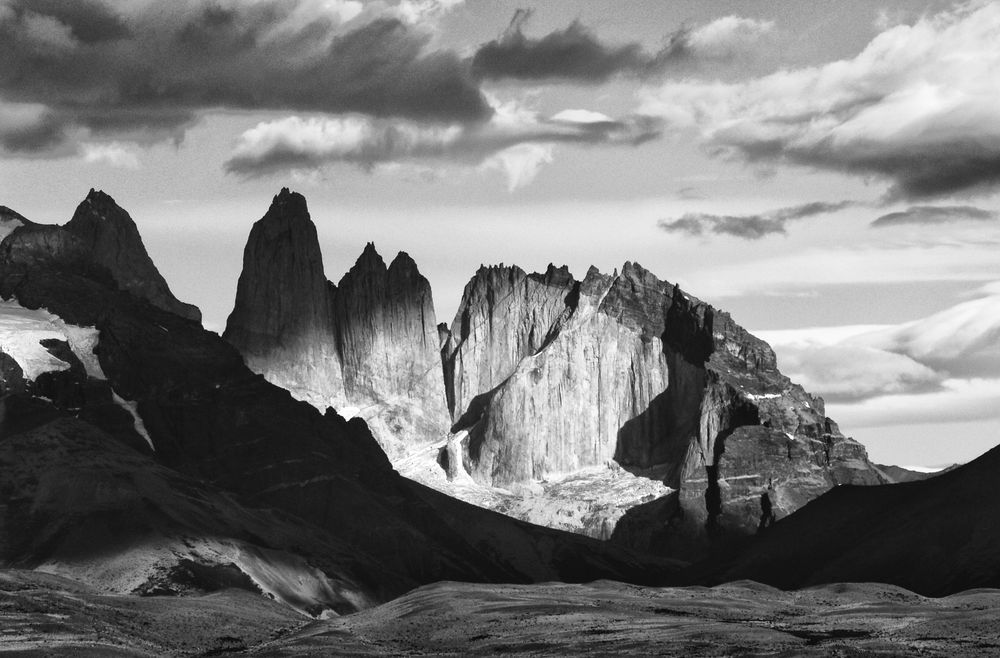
x=336, y=447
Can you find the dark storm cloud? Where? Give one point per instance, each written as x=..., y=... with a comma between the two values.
x=915, y=171
x=145, y=67
x=575, y=53
x=926, y=215
x=45, y=133
x=749, y=227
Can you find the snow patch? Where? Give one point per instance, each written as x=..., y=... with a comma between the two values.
x=22, y=329
x=8, y=225
x=763, y=396
x=133, y=409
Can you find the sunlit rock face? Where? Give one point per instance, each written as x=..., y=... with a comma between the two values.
x=633, y=370
x=615, y=406
x=367, y=347
x=388, y=345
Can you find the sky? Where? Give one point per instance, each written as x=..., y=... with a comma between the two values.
x=826, y=172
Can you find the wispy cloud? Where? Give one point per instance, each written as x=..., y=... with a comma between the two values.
x=927, y=215
x=516, y=141
x=749, y=227
x=916, y=108
x=575, y=53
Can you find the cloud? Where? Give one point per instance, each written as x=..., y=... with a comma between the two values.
x=943, y=352
x=516, y=141
x=520, y=163
x=577, y=54
x=114, y=68
x=113, y=154
x=749, y=227
x=962, y=341
x=934, y=215
x=848, y=372
x=915, y=108
x=28, y=128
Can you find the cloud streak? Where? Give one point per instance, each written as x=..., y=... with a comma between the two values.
x=915, y=108
x=576, y=54
x=934, y=215
x=520, y=141
x=749, y=227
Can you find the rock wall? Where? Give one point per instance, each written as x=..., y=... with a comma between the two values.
x=282, y=322
x=635, y=370
x=367, y=346
x=388, y=345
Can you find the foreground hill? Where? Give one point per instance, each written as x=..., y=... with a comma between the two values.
x=936, y=537
x=49, y=615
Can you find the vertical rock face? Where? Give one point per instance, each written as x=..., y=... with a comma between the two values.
x=505, y=316
x=282, y=321
x=388, y=344
x=112, y=241
x=367, y=347
x=632, y=369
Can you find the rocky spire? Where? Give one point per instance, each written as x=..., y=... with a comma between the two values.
x=368, y=346
x=282, y=321
x=112, y=240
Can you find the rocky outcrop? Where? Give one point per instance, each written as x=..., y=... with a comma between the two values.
x=367, y=346
x=112, y=240
x=523, y=308
x=631, y=369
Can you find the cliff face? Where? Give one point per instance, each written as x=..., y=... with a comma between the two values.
x=283, y=322
x=634, y=370
x=112, y=240
x=367, y=347
x=551, y=384
x=388, y=346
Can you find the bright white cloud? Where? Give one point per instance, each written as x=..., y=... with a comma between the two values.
x=916, y=107
x=520, y=163
x=960, y=340
x=727, y=36
x=113, y=154
x=945, y=367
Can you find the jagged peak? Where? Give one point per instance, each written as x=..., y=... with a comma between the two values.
x=99, y=201
x=403, y=262
x=370, y=261
x=288, y=203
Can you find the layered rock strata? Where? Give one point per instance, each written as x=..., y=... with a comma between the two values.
x=367, y=346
